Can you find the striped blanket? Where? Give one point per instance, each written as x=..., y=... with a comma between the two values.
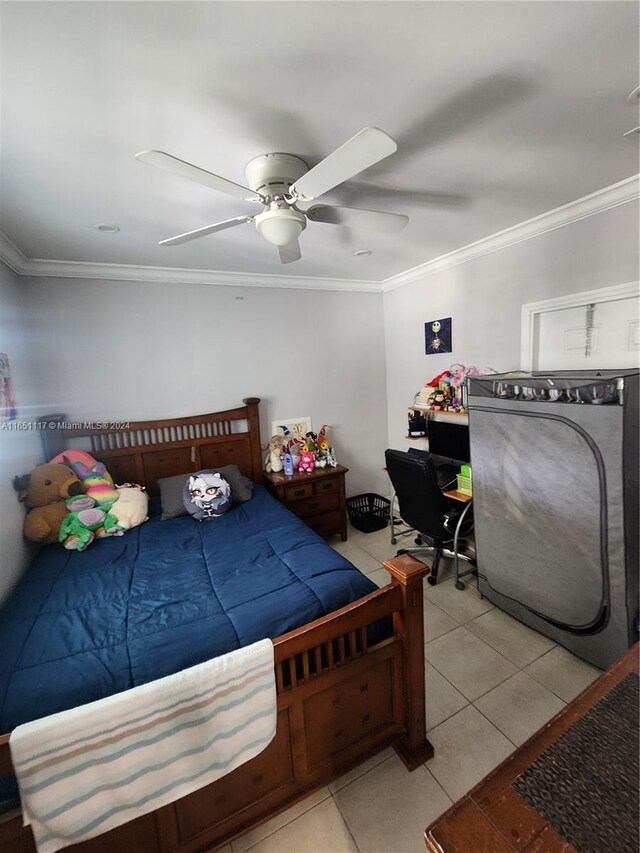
x=84, y=771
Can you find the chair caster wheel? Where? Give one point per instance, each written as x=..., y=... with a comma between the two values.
x=431, y=580
x=460, y=585
x=394, y=541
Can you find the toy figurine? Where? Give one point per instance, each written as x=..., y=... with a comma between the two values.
x=273, y=461
x=307, y=461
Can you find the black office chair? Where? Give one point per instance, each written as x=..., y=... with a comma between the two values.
x=426, y=510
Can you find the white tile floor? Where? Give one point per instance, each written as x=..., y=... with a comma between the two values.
x=491, y=683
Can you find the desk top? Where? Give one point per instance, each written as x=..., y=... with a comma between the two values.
x=493, y=818
x=455, y=495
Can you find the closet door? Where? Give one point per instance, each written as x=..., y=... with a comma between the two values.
x=594, y=329
x=606, y=335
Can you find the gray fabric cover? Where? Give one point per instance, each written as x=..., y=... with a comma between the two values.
x=171, y=490
x=555, y=509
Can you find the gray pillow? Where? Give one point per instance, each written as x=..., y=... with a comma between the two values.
x=171, y=489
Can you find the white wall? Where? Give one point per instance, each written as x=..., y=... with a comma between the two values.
x=484, y=297
x=130, y=350
x=20, y=450
x=135, y=350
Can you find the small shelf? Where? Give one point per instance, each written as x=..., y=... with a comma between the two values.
x=441, y=416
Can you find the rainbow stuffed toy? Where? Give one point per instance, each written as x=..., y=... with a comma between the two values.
x=94, y=477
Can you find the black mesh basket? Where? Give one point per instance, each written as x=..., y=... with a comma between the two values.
x=368, y=512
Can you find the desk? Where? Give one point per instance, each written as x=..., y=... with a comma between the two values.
x=464, y=498
x=492, y=817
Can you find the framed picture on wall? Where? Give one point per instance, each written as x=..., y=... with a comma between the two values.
x=8, y=409
x=437, y=336
x=291, y=427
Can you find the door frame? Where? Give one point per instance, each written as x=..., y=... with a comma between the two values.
x=531, y=311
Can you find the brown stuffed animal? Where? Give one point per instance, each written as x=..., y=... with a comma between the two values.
x=44, y=491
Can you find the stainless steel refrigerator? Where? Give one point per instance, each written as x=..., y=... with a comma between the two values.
x=555, y=499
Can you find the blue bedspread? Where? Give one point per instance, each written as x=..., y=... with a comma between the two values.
x=165, y=596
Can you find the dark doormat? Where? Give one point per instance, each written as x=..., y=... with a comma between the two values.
x=586, y=783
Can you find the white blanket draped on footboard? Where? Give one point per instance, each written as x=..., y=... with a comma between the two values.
x=85, y=771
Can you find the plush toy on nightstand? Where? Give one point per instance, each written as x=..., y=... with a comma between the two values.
x=307, y=461
x=44, y=491
x=273, y=461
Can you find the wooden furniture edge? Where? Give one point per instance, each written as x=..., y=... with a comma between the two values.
x=137, y=439
x=407, y=573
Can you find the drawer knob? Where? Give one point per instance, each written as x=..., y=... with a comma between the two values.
x=257, y=779
x=299, y=493
x=313, y=504
x=338, y=733
x=366, y=718
x=326, y=486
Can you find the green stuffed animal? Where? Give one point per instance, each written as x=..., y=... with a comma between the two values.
x=85, y=522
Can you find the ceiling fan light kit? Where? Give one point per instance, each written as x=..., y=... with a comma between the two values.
x=280, y=181
x=281, y=226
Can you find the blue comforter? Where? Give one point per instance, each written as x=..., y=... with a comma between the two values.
x=165, y=596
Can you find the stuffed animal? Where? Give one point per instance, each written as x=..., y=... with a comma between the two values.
x=96, y=481
x=273, y=461
x=85, y=522
x=74, y=455
x=307, y=461
x=44, y=491
x=325, y=456
x=132, y=506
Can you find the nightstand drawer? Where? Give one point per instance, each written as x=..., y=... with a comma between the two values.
x=322, y=487
x=300, y=490
x=314, y=505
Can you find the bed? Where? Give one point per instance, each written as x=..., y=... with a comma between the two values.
x=169, y=594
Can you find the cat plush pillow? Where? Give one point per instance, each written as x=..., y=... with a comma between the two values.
x=206, y=494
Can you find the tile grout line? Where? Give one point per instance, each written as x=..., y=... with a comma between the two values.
x=344, y=820
x=286, y=823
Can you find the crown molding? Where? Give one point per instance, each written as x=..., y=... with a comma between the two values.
x=176, y=275
x=589, y=205
x=597, y=202
x=11, y=255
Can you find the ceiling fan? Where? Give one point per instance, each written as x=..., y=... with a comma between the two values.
x=280, y=182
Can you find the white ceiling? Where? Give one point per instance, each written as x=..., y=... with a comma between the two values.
x=501, y=111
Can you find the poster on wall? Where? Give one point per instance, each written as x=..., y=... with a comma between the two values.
x=8, y=410
x=291, y=427
x=437, y=336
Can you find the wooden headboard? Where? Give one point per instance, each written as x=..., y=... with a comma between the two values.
x=144, y=451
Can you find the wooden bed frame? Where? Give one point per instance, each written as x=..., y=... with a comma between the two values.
x=339, y=699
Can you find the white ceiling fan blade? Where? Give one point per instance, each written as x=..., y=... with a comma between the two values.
x=202, y=232
x=290, y=253
x=185, y=170
x=353, y=217
x=367, y=147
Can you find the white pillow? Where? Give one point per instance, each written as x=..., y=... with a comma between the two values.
x=132, y=506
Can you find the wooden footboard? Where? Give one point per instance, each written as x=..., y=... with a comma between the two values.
x=339, y=701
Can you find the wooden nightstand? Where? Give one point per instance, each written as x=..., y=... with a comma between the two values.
x=317, y=498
